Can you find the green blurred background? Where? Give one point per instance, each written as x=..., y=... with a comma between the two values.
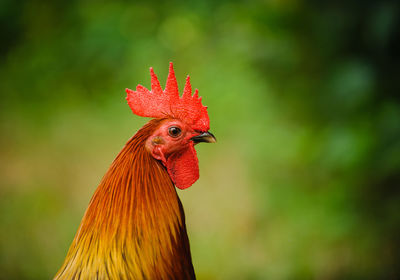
x=303, y=97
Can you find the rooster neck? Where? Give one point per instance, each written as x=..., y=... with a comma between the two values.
x=134, y=227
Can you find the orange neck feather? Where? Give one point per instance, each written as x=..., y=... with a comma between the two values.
x=134, y=227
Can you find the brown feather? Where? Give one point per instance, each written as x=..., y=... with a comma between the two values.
x=134, y=227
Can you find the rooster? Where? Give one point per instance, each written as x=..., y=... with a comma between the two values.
x=134, y=227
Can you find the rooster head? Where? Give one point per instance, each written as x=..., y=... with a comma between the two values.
x=185, y=123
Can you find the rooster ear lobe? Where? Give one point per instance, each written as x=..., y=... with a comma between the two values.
x=158, y=154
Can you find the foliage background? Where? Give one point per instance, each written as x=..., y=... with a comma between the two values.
x=303, y=97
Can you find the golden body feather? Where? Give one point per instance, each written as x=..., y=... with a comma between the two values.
x=134, y=227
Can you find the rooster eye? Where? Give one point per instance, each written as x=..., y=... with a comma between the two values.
x=174, y=131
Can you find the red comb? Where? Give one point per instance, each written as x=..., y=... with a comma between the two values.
x=159, y=103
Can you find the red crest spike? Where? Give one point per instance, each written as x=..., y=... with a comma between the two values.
x=187, y=91
x=158, y=103
x=155, y=84
x=172, y=85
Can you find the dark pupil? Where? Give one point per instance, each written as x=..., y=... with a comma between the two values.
x=174, y=131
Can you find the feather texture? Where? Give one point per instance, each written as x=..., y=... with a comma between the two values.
x=134, y=227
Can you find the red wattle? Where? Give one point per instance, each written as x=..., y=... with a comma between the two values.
x=183, y=167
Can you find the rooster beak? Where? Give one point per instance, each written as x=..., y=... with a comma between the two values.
x=206, y=137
